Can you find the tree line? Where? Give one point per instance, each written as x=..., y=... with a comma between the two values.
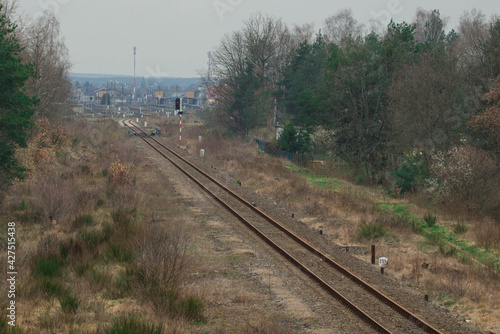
x=384, y=100
x=34, y=83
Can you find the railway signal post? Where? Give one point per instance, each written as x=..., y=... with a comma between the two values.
x=178, y=107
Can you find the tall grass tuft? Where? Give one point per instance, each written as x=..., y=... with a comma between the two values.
x=83, y=220
x=122, y=216
x=435, y=239
x=119, y=253
x=52, y=287
x=48, y=266
x=132, y=324
x=372, y=231
x=69, y=303
x=460, y=227
x=93, y=238
x=192, y=308
x=430, y=219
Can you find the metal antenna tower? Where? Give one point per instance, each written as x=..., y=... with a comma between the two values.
x=133, y=96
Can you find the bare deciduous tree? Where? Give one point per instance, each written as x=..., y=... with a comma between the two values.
x=341, y=26
x=45, y=48
x=269, y=45
x=264, y=41
x=475, y=35
x=264, y=47
x=302, y=33
x=9, y=9
x=474, y=32
x=429, y=26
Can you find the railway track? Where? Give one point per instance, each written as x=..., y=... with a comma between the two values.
x=377, y=310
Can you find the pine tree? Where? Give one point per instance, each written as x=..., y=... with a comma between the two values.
x=16, y=108
x=301, y=83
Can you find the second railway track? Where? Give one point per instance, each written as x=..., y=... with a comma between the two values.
x=378, y=311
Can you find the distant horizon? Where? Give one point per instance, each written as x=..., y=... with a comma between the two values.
x=98, y=75
x=102, y=80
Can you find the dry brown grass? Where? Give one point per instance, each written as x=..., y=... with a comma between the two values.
x=78, y=215
x=54, y=194
x=487, y=234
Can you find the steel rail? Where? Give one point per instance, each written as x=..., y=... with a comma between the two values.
x=379, y=295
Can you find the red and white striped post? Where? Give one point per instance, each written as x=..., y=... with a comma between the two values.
x=180, y=129
x=178, y=107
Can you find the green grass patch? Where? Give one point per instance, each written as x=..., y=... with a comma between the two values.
x=394, y=208
x=316, y=180
x=447, y=300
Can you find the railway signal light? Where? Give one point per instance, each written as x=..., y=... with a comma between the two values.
x=177, y=104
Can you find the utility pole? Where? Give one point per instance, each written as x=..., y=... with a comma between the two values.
x=133, y=96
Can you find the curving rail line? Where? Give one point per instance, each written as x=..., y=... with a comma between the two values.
x=330, y=289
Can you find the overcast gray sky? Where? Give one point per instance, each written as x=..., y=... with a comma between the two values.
x=173, y=36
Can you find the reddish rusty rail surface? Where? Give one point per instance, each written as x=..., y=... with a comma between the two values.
x=331, y=290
